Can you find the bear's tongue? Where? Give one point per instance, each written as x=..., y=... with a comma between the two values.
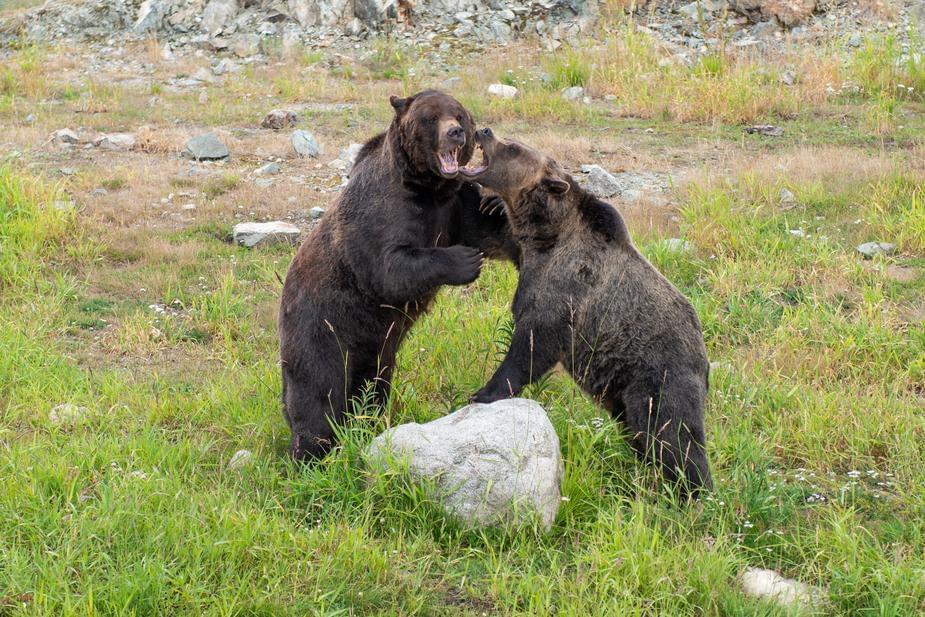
x=448, y=162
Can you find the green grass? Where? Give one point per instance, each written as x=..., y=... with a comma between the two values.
x=130, y=509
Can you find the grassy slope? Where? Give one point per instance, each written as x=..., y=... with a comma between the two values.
x=815, y=417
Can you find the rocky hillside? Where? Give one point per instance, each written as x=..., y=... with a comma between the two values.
x=248, y=27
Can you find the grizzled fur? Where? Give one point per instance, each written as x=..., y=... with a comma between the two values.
x=375, y=262
x=588, y=299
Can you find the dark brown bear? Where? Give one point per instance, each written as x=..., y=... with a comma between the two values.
x=588, y=299
x=404, y=225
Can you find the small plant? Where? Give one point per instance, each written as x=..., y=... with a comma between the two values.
x=114, y=183
x=221, y=185
x=567, y=69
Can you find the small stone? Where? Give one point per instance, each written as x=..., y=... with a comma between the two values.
x=204, y=75
x=316, y=213
x=339, y=165
x=30, y=119
x=502, y=90
x=115, y=141
x=167, y=54
x=268, y=169
x=788, y=78
x=797, y=233
x=253, y=235
x=350, y=153
x=206, y=147
x=279, y=119
x=854, y=40
x=768, y=130
x=354, y=27
x=769, y=585
x=451, y=83
x=573, y=94
x=601, y=182
x=188, y=207
x=245, y=45
x=871, y=249
x=787, y=197
x=66, y=413
x=305, y=144
x=65, y=136
x=239, y=460
x=487, y=464
x=203, y=96
x=263, y=182
x=225, y=65
x=724, y=367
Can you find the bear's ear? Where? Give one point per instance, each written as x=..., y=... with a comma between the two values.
x=555, y=185
x=400, y=105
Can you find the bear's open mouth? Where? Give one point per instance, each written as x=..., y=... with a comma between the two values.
x=472, y=169
x=449, y=162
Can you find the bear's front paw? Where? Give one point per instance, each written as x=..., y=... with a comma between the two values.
x=486, y=396
x=465, y=264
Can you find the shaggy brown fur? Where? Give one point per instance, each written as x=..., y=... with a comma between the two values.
x=588, y=299
x=404, y=226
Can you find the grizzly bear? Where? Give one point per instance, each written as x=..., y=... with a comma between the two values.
x=407, y=223
x=588, y=299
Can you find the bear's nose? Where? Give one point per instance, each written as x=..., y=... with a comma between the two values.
x=457, y=134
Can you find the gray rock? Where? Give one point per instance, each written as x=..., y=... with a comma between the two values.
x=788, y=78
x=787, y=197
x=218, y=14
x=226, y=65
x=872, y=249
x=151, y=15
x=115, y=141
x=30, y=119
x=503, y=91
x=305, y=144
x=488, y=464
x=573, y=94
x=253, y=235
x=65, y=136
x=316, y=213
x=354, y=27
x=350, y=153
x=769, y=130
x=245, y=44
x=239, y=460
x=267, y=170
x=769, y=585
x=601, y=182
x=451, y=83
x=279, y=119
x=263, y=182
x=854, y=40
x=66, y=413
x=207, y=147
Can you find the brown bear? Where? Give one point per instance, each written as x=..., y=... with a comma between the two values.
x=588, y=299
x=407, y=223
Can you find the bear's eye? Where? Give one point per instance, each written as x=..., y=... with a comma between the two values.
x=513, y=148
x=459, y=118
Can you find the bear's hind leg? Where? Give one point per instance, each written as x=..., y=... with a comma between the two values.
x=666, y=424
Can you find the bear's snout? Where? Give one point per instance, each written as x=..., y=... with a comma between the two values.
x=457, y=135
